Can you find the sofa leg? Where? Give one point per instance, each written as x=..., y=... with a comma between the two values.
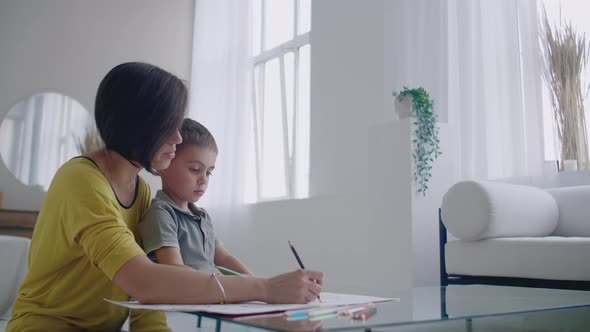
x=442, y=241
x=468, y=325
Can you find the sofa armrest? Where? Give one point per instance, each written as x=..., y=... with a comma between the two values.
x=475, y=210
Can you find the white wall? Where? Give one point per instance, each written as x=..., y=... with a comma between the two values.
x=67, y=46
x=346, y=91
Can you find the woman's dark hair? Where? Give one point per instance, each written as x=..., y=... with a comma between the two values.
x=138, y=107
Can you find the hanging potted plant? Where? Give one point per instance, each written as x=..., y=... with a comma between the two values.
x=426, y=145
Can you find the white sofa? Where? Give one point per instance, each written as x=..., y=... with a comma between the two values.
x=523, y=234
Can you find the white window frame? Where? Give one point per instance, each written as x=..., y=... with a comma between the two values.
x=260, y=60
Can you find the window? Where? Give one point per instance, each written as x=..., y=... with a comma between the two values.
x=281, y=82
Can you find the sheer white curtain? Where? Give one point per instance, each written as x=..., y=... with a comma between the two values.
x=220, y=97
x=495, y=108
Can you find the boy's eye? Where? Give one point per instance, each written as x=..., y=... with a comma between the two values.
x=194, y=170
x=209, y=173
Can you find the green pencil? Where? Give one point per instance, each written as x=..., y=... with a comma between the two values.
x=227, y=271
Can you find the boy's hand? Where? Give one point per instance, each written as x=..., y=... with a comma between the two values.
x=301, y=286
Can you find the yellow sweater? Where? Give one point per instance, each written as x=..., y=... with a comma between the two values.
x=82, y=237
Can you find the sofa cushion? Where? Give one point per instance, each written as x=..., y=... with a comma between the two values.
x=574, y=210
x=475, y=210
x=550, y=257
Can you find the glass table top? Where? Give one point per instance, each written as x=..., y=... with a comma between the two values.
x=437, y=306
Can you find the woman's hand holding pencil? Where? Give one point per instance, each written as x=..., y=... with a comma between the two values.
x=301, y=286
x=300, y=262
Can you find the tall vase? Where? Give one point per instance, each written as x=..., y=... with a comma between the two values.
x=570, y=165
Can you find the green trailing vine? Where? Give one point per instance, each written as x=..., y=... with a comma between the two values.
x=426, y=142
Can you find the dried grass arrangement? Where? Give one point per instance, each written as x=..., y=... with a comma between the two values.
x=90, y=142
x=566, y=56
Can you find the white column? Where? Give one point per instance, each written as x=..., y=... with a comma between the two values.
x=404, y=223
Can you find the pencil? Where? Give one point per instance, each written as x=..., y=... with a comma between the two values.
x=296, y=256
x=226, y=271
x=299, y=261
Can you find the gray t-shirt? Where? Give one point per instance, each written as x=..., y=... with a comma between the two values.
x=165, y=225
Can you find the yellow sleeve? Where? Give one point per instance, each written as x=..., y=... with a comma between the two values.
x=148, y=321
x=95, y=222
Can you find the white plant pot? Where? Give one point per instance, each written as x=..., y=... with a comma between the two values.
x=403, y=109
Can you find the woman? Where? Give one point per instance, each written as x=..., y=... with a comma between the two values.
x=85, y=246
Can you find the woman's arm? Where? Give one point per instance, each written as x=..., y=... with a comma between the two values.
x=225, y=259
x=158, y=283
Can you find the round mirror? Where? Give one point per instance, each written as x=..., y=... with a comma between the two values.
x=40, y=133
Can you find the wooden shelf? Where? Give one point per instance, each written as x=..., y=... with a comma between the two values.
x=17, y=222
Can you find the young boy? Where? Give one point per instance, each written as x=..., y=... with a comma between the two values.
x=173, y=230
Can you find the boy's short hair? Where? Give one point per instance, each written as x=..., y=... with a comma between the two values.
x=194, y=133
x=138, y=107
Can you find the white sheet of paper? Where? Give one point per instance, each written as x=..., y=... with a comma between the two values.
x=248, y=308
